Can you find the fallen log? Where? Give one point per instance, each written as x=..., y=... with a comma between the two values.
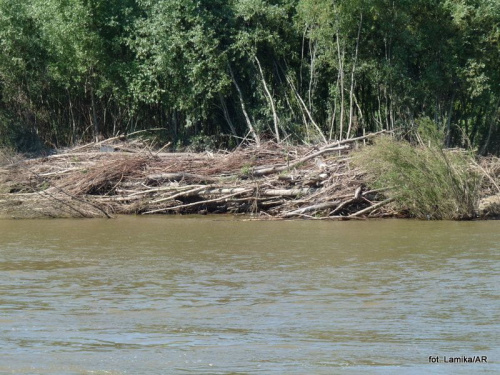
x=286, y=192
x=179, y=176
x=186, y=193
x=281, y=168
x=361, y=138
x=315, y=207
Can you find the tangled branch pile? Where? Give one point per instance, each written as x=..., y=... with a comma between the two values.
x=389, y=178
x=117, y=177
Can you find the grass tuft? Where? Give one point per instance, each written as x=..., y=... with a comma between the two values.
x=427, y=182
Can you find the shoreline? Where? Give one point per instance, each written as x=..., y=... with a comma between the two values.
x=270, y=182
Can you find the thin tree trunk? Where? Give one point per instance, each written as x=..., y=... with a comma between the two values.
x=351, y=92
x=312, y=69
x=243, y=108
x=332, y=123
x=381, y=125
x=94, y=115
x=341, y=70
x=73, y=123
x=391, y=109
x=292, y=110
x=490, y=130
x=387, y=84
x=302, y=54
x=448, y=121
x=360, y=113
x=226, y=114
x=271, y=101
x=334, y=114
x=386, y=109
x=304, y=106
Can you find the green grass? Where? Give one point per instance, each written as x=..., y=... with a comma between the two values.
x=427, y=182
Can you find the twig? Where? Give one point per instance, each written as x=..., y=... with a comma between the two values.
x=164, y=147
x=487, y=175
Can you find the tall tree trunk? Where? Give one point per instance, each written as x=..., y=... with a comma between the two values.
x=351, y=92
x=226, y=114
x=73, y=123
x=312, y=69
x=341, y=71
x=243, y=108
x=94, y=115
x=448, y=121
x=271, y=101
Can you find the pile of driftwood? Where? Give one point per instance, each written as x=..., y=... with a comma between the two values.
x=117, y=176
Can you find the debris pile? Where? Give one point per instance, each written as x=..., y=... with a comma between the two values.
x=116, y=176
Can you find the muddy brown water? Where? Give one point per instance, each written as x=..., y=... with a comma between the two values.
x=175, y=295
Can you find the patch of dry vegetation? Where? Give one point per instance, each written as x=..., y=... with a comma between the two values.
x=272, y=181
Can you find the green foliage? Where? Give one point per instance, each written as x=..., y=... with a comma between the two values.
x=71, y=70
x=429, y=132
x=179, y=57
x=426, y=181
x=201, y=143
x=246, y=170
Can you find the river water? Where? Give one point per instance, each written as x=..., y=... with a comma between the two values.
x=215, y=295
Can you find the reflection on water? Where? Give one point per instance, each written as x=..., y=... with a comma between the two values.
x=220, y=296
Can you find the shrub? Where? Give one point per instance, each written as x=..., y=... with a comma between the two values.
x=428, y=182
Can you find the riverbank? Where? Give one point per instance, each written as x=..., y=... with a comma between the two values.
x=273, y=181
